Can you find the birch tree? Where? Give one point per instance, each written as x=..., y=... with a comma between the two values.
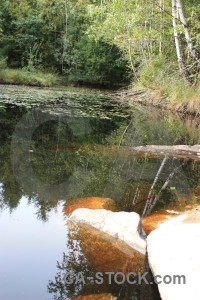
x=179, y=52
x=190, y=45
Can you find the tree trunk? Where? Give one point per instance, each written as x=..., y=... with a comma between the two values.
x=191, y=48
x=65, y=38
x=165, y=185
x=131, y=60
x=179, y=54
x=161, y=25
x=153, y=185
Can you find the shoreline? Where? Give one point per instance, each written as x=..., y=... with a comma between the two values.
x=39, y=78
x=151, y=97
x=143, y=96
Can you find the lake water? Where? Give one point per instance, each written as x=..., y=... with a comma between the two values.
x=58, y=145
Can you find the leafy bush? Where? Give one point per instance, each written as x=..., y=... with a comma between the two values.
x=98, y=62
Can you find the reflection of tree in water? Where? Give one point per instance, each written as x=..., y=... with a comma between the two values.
x=11, y=192
x=61, y=171
x=75, y=263
x=68, y=162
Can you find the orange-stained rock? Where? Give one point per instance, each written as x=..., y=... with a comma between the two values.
x=105, y=253
x=95, y=297
x=152, y=221
x=90, y=202
x=188, y=207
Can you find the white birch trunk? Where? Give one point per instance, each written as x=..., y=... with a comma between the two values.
x=153, y=185
x=181, y=64
x=191, y=48
x=165, y=185
x=161, y=26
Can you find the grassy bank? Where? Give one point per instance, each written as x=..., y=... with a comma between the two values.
x=175, y=97
x=165, y=87
x=178, y=98
x=45, y=79
x=25, y=77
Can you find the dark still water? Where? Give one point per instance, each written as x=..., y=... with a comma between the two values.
x=60, y=145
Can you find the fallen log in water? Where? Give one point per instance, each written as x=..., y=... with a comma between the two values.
x=157, y=151
x=177, y=151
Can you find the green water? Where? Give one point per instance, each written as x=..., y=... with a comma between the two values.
x=61, y=144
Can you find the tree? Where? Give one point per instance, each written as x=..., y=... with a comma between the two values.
x=179, y=53
x=190, y=45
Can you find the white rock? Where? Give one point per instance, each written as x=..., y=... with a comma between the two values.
x=174, y=249
x=121, y=225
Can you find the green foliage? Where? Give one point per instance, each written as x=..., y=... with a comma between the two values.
x=156, y=71
x=53, y=35
x=3, y=63
x=101, y=63
x=143, y=31
x=37, y=78
x=99, y=42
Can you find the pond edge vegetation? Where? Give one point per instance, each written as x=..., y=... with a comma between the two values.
x=153, y=45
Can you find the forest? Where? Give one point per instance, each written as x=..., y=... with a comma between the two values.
x=99, y=149
x=150, y=43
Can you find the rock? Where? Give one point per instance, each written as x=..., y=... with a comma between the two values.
x=95, y=297
x=92, y=203
x=188, y=207
x=154, y=220
x=121, y=225
x=105, y=253
x=173, y=249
